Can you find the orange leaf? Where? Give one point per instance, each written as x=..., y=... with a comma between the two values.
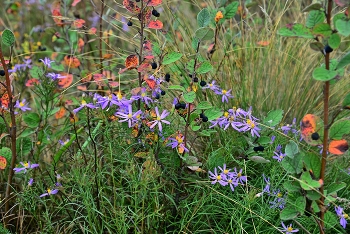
x=4, y=101
x=263, y=43
x=338, y=147
x=61, y=113
x=66, y=81
x=82, y=87
x=78, y=23
x=132, y=61
x=71, y=61
x=75, y=2
x=153, y=2
x=147, y=46
x=56, y=13
x=3, y=163
x=92, y=31
x=131, y=6
x=32, y=82
x=155, y=24
x=150, y=82
x=107, y=56
x=98, y=78
x=310, y=124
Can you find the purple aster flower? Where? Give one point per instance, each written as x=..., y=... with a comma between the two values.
x=225, y=172
x=132, y=118
x=240, y=178
x=63, y=142
x=267, y=186
x=343, y=216
x=30, y=182
x=47, y=62
x=110, y=99
x=279, y=200
x=289, y=229
x=26, y=166
x=54, y=76
x=212, y=86
x=125, y=26
x=83, y=104
x=22, y=105
x=217, y=178
x=279, y=156
x=159, y=119
x=49, y=192
x=225, y=94
x=143, y=96
x=232, y=181
x=272, y=139
x=249, y=125
x=278, y=148
x=177, y=142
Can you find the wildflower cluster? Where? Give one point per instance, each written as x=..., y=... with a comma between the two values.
x=288, y=229
x=238, y=119
x=279, y=199
x=225, y=94
x=278, y=155
x=227, y=177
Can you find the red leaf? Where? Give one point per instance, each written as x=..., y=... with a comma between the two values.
x=61, y=113
x=132, y=61
x=150, y=82
x=66, y=81
x=263, y=43
x=78, y=23
x=155, y=24
x=56, y=13
x=3, y=163
x=75, y=2
x=153, y=2
x=338, y=147
x=71, y=61
x=32, y=82
x=131, y=6
x=143, y=67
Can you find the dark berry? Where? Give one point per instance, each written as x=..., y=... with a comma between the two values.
x=203, y=83
x=154, y=65
x=167, y=77
x=258, y=148
x=201, y=115
x=315, y=136
x=155, y=13
x=190, y=75
x=183, y=105
x=129, y=23
x=157, y=96
x=137, y=0
x=327, y=49
x=195, y=79
x=2, y=72
x=43, y=48
x=162, y=93
x=177, y=106
x=205, y=119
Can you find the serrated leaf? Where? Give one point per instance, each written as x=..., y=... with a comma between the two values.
x=171, y=57
x=204, y=33
x=322, y=29
x=344, y=61
x=339, y=128
x=213, y=113
x=204, y=68
x=273, y=118
x=296, y=30
x=343, y=27
x=203, y=18
x=31, y=119
x=291, y=149
x=231, y=10
x=177, y=87
x=322, y=74
x=315, y=17
x=189, y=97
x=6, y=153
x=204, y=105
x=8, y=38
x=334, y=41
x=259, y=159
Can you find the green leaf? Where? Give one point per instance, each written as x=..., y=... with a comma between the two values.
x=312, y=6
x=259, y=159
x=322, y=29
x=322, y=74
x=204, y=105
x=65, y=147
x=24, y=146
x=293, y=165
x=307, y=183
x=289, y=213
x=203, y=18
x=315, y=17
x=207, y=132
x=315, y=207
x=335, y=187
x=231, y=10
x=36, y=72
x=273, y=118
x=300, y=204
x=313, y=195
x=297, y=30
x=6, y=153
x=220, y=3
x=156, y=49
x=32, y=119
x=343, y=27
x=291, y=149
x=189, y=97
x=26, y=132
x=344, y=61
x=334, y=41
x=204, y=33
x=264, y=140
x=177, y=87
x=204, y=68
x=171, y=57
x=57, y=67
x=346, y=102
x=195, y=127
x=213, y=113
x=313, y=163
x=317, y=46
x=291, y=186
x=8, y=38
x=339, y=128
x=330, y=219
x=194, y=43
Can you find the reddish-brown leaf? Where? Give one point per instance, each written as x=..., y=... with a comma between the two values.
x=32, y=82
x=131, y=6
x=66, y=81
x=153, y=2
x=338, y=147
x=155, y=24
x=71, y=61
x=3, y=163
x=132, y=61
x=61, y=113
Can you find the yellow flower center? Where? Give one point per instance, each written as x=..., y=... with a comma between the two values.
x=229, y=181
x=224, y=91
x=226, y=171
x=279, y=194
x=281, y=156
x=346, y=215
x=83, y=102
x=218, y=177
x=158, y=118
x=290, y=229
x=119, y=96
x=250, y=123
x=49, y=191
x=179, y=140
x=211, y=85
x=21, y=104
x=129, y=116
x=143, y=94
x=26, y=164
x=234, y=108
x=226, y=114
x=239, y=175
